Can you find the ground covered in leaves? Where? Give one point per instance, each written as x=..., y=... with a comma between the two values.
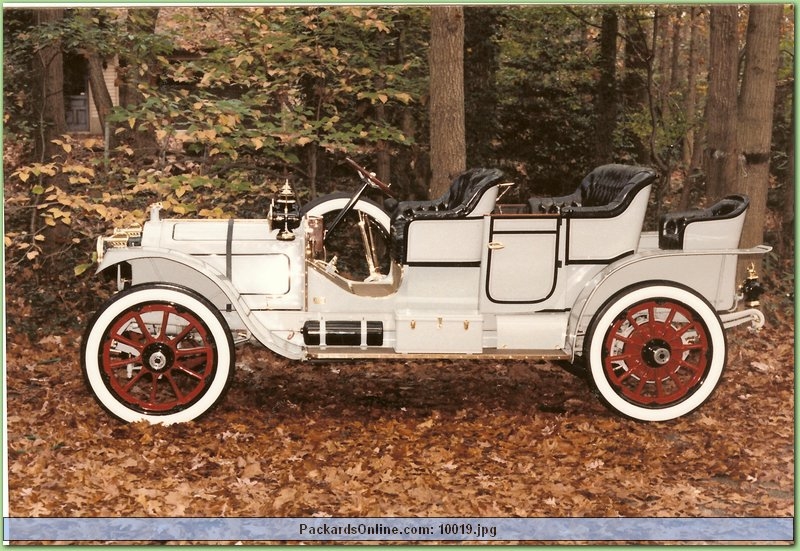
x=435, y=439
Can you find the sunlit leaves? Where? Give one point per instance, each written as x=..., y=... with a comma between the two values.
x=277, y=81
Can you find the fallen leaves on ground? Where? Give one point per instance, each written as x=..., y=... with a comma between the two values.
x=404, y=438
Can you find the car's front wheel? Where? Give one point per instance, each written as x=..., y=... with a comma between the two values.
x=655, y=351
x=159, y=353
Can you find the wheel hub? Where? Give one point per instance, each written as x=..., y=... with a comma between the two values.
x=158, y=356
x=656, y=353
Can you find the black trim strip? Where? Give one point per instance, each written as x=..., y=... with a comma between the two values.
x=469, y=264
x=528, y=232
x=229, y=249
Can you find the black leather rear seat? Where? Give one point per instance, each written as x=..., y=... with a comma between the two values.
x=604, y=192
x=673, y=224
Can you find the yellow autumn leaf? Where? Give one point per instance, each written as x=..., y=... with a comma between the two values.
x=131, y=122
x=80, y=268
x=258, y=143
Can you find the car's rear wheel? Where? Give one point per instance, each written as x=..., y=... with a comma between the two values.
x=656, y=351
x=158, y=353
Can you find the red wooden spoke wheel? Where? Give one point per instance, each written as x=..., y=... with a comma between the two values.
x=157, y=358
x=655, y=351
x=159, y=353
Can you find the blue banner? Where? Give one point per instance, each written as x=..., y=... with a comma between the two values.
x=400, y=529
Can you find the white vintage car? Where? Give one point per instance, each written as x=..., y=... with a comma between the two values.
x=566, y=279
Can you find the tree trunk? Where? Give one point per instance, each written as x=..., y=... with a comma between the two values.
x=756, y=103
x=635, y=91
x=690, y=99
x=606, y=107
x=689, y=159
x=448, y=143
x=137, y=71
x=97, y=83
x=721, y=113
x=48, y=66
x=662, y=50
x=675, y=72
x=383, y=165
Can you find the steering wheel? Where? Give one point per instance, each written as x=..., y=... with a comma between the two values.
x=369, y=180
x=370, y=177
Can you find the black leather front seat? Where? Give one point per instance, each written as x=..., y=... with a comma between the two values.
x=458, y=202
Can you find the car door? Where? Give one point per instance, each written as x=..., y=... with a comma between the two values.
x=521, y=258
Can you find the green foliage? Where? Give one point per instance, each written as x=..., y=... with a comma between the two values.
x=286, y=79
x=545, y=94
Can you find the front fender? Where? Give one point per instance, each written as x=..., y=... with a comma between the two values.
x=149, y=265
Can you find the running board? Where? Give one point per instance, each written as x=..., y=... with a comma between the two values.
x=355, y=353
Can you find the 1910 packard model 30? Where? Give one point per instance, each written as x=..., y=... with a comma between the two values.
x=569, y=278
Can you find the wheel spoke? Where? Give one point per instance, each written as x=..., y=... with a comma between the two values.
x=124, y=362
x=164, y=324
x=189, y=372
x=125, y=340
x=182, y=335
x=133, y=381
x=148, y=337
x=178, y=394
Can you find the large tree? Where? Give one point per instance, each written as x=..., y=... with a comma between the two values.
x=137, y=62
x=721, y=112
x=606, y=104
x=48, y=66
x=447, y=133
x=756, y=102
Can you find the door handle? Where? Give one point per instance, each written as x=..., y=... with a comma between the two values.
x=496, y=245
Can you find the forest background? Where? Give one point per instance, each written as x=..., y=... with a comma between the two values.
x=218, y=106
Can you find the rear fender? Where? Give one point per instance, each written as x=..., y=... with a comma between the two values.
x=711, y=274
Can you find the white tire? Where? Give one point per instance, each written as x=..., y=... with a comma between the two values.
x=158, y=353
x=655, y=351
